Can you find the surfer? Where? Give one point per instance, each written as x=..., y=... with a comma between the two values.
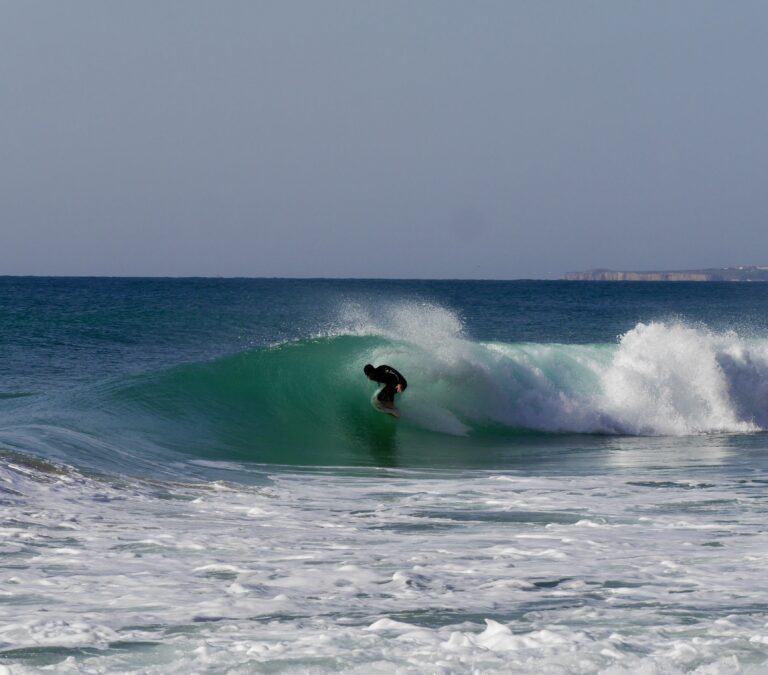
x=394, y=383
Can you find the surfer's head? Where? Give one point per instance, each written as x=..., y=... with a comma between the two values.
x=368, y=369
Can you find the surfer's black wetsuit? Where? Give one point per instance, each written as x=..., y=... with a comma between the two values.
x=390, y=378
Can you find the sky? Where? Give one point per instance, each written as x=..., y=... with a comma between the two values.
x=407, y=139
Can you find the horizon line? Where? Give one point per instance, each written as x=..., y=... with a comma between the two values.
x=268, y=278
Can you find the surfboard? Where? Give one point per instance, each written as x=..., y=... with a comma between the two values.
x=387, y=408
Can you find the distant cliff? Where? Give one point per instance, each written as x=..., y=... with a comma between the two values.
x=753, y=273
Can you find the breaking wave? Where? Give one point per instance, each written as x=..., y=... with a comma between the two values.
x=307, y=402
x=658, y=379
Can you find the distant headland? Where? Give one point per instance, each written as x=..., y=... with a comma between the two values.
x=744, y=273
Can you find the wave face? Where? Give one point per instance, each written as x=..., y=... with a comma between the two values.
x=308, y=401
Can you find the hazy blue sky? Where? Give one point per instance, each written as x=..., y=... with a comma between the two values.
x=381, y=139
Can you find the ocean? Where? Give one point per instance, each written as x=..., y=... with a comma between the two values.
x=193, y=479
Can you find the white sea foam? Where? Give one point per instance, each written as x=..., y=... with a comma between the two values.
x=387, y=573
x=677, y=379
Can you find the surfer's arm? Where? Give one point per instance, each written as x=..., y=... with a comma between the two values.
x=390, y=377
x=396, y=380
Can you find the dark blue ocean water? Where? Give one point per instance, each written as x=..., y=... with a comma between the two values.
x=67, y=330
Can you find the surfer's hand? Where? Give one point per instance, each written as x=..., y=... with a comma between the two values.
x=399, y=388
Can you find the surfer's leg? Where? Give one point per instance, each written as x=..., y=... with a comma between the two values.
x=386, y=395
